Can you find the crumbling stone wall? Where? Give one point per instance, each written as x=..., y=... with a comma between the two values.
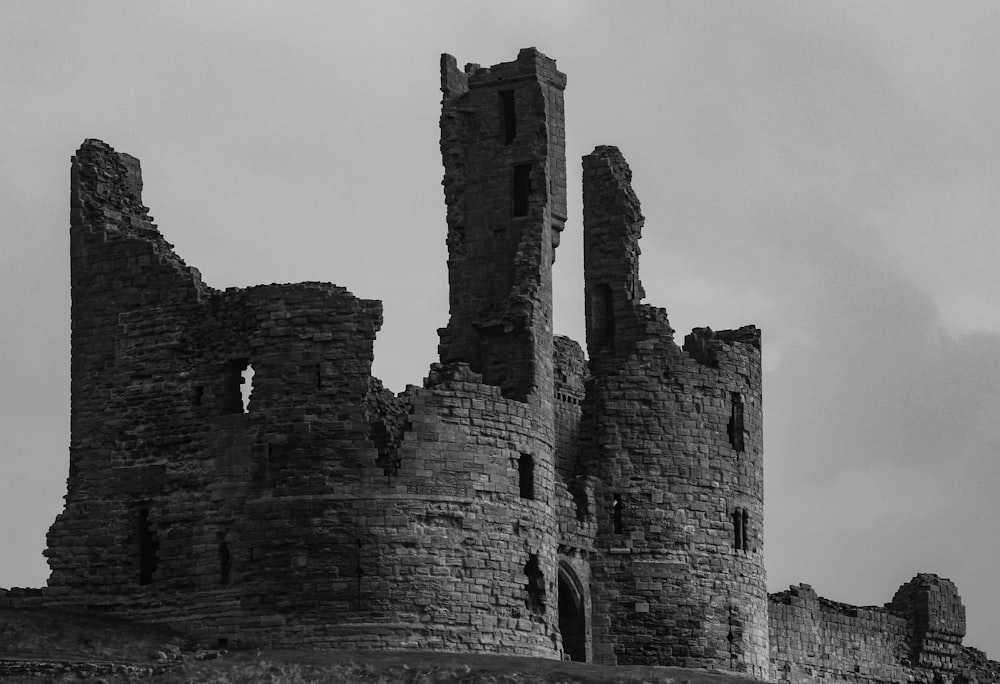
x=675, y=445
x=166, y=467
x=936, y=619
x=326, y=509
x=914, y=638
x=525, y=500
x=813, y=638
x=503, y=147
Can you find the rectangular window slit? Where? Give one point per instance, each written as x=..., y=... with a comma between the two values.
x=521, y=189
x=736, y=422
x=602, y=316
x=526, y=476
x=741, y=529
x=616, y=511
x=148, y=548
x=508, y=116
x=224, y=560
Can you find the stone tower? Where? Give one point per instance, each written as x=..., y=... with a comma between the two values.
x=324, y=509
x=503, y=147
x=672, y=438
x=236, y=471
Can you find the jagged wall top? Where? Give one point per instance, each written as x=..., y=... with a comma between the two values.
x=503, y=148
x=106, y=194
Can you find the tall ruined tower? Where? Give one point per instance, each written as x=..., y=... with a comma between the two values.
x=504, y=151
x=524, y=500
x=673, y=438
x=324, y=509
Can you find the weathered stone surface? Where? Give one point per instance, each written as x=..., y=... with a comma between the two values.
x=917, y=637
x=675, y=448
x=525, y=500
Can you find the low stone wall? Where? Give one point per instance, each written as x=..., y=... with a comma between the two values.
x=814, y=638
x=914, y=638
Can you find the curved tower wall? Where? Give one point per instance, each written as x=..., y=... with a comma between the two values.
x=326, y=510
x=523, y=501
x=673, y=437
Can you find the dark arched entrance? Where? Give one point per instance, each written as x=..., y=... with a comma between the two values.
x=572, y=616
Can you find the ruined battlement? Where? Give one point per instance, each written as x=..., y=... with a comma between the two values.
x=235, y=470
x=915, y=637
x=503, y=147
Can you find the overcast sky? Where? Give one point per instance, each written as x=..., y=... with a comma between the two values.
x=827, y=171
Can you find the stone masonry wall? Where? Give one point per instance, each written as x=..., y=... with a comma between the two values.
x=675, y=444
x=815, y=639
x=503, y=147
x=914, y=638
x=525, y=500
x=163, y=457
x=301, y=517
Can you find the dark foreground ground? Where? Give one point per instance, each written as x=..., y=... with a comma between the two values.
x=49, y=646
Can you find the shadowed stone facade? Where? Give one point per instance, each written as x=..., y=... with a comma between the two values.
x=527, y=499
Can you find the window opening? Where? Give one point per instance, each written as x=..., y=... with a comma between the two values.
x=581, y=498
x=198, y=395
x=536, y=584
x=522, y=189
x=508, y=116
x=741, y=527
x=736, y=421
x=149, y=547
x=526, y=476
x=246, y=388
x=737, y=530
x=239, y=386
x=602, y=316
x=224, y=560
x=616, y=510
x=358, y=571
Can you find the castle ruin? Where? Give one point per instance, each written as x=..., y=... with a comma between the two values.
x=527, y=499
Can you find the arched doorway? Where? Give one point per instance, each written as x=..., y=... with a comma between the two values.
x=572, y=615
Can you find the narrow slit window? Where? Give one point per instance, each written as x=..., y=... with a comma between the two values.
x=741, y=521
x=602, y=316
x=238, y=386
x=737, y=530
x=224, y=563
x=736, y=422
x=149, y=548
x=616, y=512
x=521, y=189
x=745, y=523
x=526, y=476
x=508, y=116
